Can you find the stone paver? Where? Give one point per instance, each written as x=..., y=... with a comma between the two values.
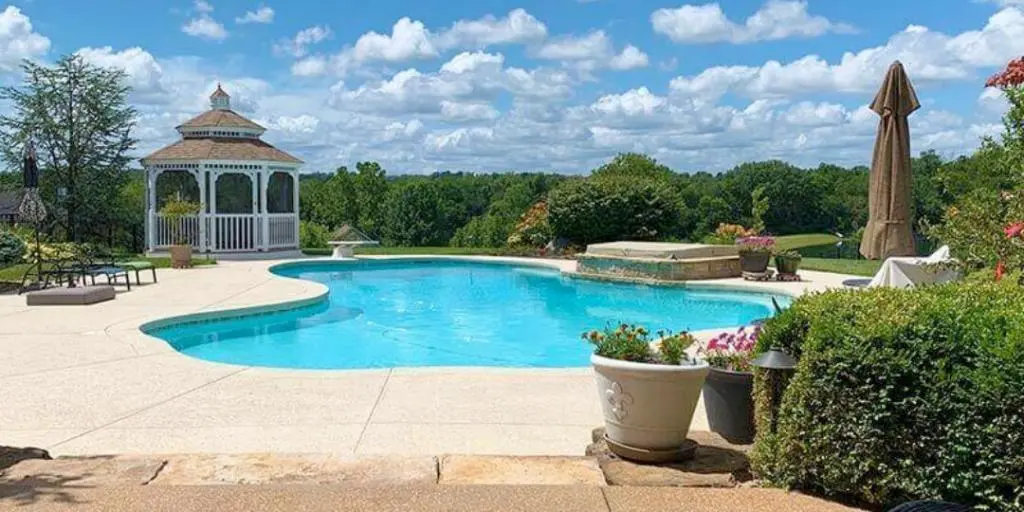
x=85, y=380
x=491, y=470
x=257, y=469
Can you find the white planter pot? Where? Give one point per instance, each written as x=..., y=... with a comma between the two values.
x=648, y=406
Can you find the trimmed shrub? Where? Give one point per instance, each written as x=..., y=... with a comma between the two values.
x=12, y=248
x=313, y=235
x=900, y=395
x=601, y=210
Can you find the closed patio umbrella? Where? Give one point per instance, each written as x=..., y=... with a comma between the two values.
x=889, y=199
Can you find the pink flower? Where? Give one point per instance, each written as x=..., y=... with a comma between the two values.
x=1014, y=230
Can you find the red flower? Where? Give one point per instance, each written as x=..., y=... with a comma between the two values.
x=1000, y=270
x=1014, y=230
x=1012, y=76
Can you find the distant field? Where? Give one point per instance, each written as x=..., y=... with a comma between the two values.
x=794, y=242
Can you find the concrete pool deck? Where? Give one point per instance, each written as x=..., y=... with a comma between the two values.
x=86, y=380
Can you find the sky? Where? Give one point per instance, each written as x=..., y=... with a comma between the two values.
x=541, y=85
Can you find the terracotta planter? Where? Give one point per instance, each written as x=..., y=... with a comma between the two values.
x=181, y=256
x=787, y=265
x=647, y=407
x=728, y=399
x=754, y=261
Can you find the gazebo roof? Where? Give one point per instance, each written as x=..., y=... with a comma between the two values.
x=222, y=144
x=220, y=119
x=217, y=148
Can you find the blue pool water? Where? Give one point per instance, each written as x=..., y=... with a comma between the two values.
x=447, y=313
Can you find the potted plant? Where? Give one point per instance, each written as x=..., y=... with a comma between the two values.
x=755, y=253
x=787, y=262
x=729, y=387
x=648, y=391
x=175, y=211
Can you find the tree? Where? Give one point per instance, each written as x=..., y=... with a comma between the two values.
x=371, y=187
x=81, y=122
x=633, y=165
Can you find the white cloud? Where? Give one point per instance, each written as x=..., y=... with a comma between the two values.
x=298, y=46
x=457, y=111
x=630, y=58
x=203, y=25
x=592, y=51
x=411, y=40
x=707, y=23
x=144, y=72
x=17, y=39
x=928, y=56
x=518, y=26
x=311, y=66
x=262, y=14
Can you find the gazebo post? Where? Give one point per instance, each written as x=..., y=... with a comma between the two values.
x=213, y=208
x=200, y=177
x=151, y=223
x=265, y=210
x=258, y=218
x=295, y=206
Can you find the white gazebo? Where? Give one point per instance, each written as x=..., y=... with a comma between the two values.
x=257, y=206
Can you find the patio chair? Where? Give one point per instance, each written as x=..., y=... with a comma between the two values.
x=127, y=262
x=50, y=272
x=91, y=265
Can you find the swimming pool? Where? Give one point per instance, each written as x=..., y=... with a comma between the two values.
x=425, y=312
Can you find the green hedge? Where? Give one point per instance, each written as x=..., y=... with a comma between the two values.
x=901, y=394
x=601, y=210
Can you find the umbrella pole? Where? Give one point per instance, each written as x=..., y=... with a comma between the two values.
x=39, y=256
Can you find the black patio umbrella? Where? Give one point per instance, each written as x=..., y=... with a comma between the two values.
x=30, y=166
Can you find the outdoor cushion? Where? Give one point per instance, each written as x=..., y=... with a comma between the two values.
x=136, y=265
x=78, y=296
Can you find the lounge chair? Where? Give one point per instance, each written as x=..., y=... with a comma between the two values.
x=91, y=265
x=905, y=272
x=138, y=266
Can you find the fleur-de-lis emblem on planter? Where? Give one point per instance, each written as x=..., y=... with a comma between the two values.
x=619, y=399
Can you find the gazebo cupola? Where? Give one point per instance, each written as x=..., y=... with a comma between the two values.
x=247, y=190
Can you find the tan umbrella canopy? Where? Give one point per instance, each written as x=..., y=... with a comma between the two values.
x=889, y=199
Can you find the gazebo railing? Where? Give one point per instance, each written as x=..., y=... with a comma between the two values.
x=228, y=232
x=165, y=232
x=282, y=230
x=235, y=232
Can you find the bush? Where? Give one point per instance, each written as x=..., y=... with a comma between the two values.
x=313, y=235
x=602, y=210
x=900, y=395
x=12, y=248
x=533, y=228
x=482, y=231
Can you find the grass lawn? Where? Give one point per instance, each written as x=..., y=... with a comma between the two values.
x=852, y=267
x=14, y=273
x=794, y=242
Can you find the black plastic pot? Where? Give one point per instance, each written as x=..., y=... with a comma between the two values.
x=786, y=264
x=730, y=405
x=754, y=261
